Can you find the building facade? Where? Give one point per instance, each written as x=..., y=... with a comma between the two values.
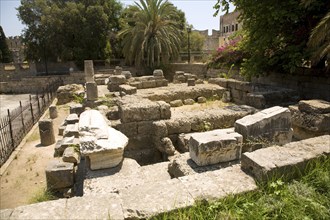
x=17, y=48
x=229, y=25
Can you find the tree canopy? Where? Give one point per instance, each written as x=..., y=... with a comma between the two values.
x=68, y=29
x=152, y=32
x=276, y=33
x=5, y=54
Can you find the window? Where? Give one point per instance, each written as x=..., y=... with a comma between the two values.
x=226, y=28
x=236, y=27
x=232, y=28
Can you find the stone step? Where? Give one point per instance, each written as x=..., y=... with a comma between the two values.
x=276, y=161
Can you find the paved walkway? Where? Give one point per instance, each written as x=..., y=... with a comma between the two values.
x=136, y=197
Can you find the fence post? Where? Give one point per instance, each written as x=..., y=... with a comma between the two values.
x=20, y=104
x=11, y=130
x=38, y=104
x=31, y=108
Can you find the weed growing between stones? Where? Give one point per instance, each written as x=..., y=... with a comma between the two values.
x=78, y=99
x=41, y=196
x=306, y=197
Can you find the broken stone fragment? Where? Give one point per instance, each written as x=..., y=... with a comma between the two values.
x=71, y=155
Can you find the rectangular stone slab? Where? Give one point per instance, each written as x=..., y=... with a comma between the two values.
x=276, y=161
x=221, y=145
x=154, y=198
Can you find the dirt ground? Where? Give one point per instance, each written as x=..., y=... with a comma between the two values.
x=25, y=176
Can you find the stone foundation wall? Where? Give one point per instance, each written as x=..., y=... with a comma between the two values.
x=255, y=94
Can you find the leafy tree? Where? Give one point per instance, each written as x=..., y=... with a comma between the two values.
x=151, y=35
x=5, y=54
x=68, y=29
x=196, y=41
x=275, y=32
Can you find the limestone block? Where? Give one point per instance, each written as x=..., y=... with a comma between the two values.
x=158, y=73
x=148, y=84
x=49, y=210
x=89, y=70
x=46, y=131
x=191, y=82
x=314, y=106
x=199, y=81
x=118, y=70
x=138, y=85
x=145, y=127
x=273, y=124
x=161, y=82
x=256, y=100
x=104, y=207
x=183, y=165
x=113, y=87
x=141, y=110
x=292, y=158
x=71, y=155
x=147, y=201
x=140, y=142
x=92, y=123
x=76, y=109
x=59, y=174
x=71, y=130
x=176, y=103
x=52, y=112
x=72, y=119
x=159, y=129
x=91, y=91
x=215, y=146
x=226, y=97
x=61, y=129
x=165, y=145
x=129, y=90
x=165, y=110
x=127, y=74
x=117, y=79
x=61, y=145
x=188, y=101
x=129, y=129
x=178, y=126
x=201, y=99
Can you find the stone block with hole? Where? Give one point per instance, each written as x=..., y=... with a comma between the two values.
x=211, y=147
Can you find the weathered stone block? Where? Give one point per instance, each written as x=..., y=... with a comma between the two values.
x=158, y=73
x=138, y=85
x=144, y=202
x=129, y=129
x=127, y=74
x=52, y=112
x=148, y=84
x=273, y=124
x=71, y=155
x=176, y=103
x=118, y=70
x=91, y=91
x=178, y=126
x=215, y=146
x=159, y=129
x=165, y=110
x=226, y=97
x=72, y=119
x=71, y=130
x=161, y=82
x=89, y=70
x=191, y=82
x=145, y=127
x=286, y=161
x=188, y=102
x=92, y=123
x=117, y=79
x=129, y=90
x=46, y=132
x=61, y=145
x=314, y=106
x=59, y=175
x=76, y=109
x=201, y=99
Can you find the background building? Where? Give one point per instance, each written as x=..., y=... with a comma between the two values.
x=17, y=48
x=229, y=24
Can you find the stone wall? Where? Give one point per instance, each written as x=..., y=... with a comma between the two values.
x=16, y=71
x=307, y=84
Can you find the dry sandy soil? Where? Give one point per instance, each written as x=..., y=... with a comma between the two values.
x=25, y=176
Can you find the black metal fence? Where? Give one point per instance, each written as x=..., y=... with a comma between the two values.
x=18, y=122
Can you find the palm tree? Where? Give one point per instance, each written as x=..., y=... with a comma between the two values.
x=152, y=33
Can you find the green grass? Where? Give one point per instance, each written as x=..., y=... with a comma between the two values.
x=306, y=197
x=41, y=196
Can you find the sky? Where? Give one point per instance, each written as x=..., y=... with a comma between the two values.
x=199, y=13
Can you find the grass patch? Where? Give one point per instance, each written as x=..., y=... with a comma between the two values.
x=307, y=197
x=41, y=196
x=34, y=136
